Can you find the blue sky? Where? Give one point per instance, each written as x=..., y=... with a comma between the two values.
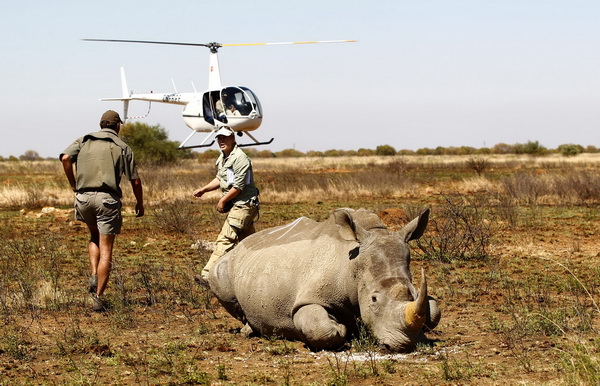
x=423, y=74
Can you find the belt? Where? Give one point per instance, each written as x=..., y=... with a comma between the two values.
x=101, y=190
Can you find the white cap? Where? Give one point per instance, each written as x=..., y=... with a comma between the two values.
x=226, y=131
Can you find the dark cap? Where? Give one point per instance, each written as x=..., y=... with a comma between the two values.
x=110, y=117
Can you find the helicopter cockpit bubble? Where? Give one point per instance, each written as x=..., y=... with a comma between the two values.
x=243, y=100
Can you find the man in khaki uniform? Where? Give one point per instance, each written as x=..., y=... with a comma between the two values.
x=240, y=196
x=101, y=158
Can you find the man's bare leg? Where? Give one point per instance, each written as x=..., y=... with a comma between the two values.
x=94, y=253
x=105, y=261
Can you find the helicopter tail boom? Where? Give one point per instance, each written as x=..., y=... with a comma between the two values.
x=127, y=96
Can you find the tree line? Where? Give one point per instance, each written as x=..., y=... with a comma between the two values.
x=152, y=146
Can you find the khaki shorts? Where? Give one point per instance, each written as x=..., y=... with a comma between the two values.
x=99, y=209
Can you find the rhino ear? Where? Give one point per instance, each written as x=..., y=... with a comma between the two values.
x=349, y=230
x=414, y=229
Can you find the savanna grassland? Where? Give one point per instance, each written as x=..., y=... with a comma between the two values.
x=512, y=253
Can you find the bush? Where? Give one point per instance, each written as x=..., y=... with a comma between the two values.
x=531, y=148
x=289, y=153
x=502, y=148
x=208, y=155
x=478, y=164
x=385, y=150
x=265, y=154
x=460, y=232
x=570, y=149
x=30, y=155
x=362, y=152
x=151, y=144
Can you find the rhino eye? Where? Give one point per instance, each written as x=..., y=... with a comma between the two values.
x=373, y=298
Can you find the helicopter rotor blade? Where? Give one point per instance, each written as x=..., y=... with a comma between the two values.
x=281, y=43
x=214, y=46
x=147, y=42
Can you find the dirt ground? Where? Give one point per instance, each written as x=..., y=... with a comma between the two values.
x=175, y=340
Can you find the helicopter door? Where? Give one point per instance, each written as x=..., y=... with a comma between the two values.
x=207, y=109
x=213, y=107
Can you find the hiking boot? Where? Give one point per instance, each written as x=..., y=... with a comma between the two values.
x=98, y=303
x=93, y=284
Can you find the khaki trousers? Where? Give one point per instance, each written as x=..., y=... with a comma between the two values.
x=238, y=225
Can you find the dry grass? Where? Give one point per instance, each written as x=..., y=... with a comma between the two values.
x=30, y=184
x=511, y=254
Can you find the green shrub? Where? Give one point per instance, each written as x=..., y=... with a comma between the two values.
x=385, y=150
x=570, y=149
x=151, y=144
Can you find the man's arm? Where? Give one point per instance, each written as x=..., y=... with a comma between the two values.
x=233, y=192
x=138, y=192
x=213, y=185
x=67, y=163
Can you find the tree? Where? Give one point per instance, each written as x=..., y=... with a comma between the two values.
x=502, y=148
x=362, y=152
x=285, y=153
x=208, y=155
x=30, y=155
x=385, y=150
x=531, y=148
x=265, y=154
x=570, y=149
x=151, y=144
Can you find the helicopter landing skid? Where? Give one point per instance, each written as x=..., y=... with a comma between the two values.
x=256, y=143
x=205, y=144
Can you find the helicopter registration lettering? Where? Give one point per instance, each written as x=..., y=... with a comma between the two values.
x=172, y=98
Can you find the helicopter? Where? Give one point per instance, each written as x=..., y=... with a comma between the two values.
x=236, y=107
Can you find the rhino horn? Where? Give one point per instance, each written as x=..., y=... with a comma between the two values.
x=415, y=313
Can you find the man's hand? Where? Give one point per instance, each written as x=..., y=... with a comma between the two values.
x=139, y=210
x=213, y=185
x=198, y=193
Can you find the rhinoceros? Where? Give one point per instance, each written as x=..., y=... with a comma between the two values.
x=313, y=281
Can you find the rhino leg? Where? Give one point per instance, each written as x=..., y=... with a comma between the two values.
x=320, y=330
x=222, y=287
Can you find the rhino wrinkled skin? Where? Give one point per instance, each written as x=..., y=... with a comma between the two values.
x=311, y=281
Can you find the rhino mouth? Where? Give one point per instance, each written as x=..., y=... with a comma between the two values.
x=399, y=343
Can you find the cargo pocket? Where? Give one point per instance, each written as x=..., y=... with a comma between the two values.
x=239, y=218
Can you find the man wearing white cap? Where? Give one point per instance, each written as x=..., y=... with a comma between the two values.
x=239, y=196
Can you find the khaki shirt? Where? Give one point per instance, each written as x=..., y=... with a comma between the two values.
x=100, y=159
x=236, y=171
